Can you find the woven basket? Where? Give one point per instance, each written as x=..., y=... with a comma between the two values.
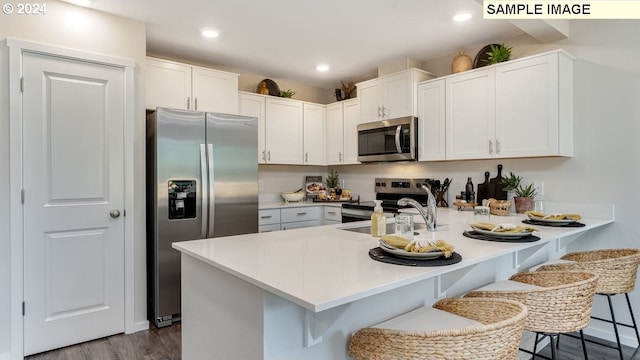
x=618, y=268
x=499, y=207
x=563, y=304
x=498, y=338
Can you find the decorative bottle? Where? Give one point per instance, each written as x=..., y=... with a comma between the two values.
x=470, y=194
x=378, y=221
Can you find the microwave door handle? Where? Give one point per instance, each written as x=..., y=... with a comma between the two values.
x=398, y=146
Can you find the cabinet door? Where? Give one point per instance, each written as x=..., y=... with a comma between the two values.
x=334, y=135
x=283, y=131
x=398, y=95
x=370, y=98
x=215, y=91
x=168, y=84
x=254, y=105
x=351, y=120
x=431, y=121
x=527, y=107
x=314, y=134
x=470, y=123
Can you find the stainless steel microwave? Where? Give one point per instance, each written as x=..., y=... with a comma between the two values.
x=388, y=140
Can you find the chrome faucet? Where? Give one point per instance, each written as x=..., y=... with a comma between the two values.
x=429, y=215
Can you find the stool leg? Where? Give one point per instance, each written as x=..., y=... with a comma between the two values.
x=535, y=347
x=633, y=318
x=615, y=326
x=584, y=345
x=553, y=348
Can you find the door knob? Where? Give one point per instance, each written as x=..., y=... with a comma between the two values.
x=114, y=213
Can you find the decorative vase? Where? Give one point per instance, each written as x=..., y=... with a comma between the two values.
x=262, y=88
x=523, y=204
x=461, y=62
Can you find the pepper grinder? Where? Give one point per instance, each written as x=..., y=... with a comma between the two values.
x=470, y=194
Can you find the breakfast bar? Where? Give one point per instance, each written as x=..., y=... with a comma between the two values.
x=299, y=294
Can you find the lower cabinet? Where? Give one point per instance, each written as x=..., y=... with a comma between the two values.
x=332, y=215
x=289, y=218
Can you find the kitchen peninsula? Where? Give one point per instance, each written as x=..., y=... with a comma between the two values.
x=299, y=294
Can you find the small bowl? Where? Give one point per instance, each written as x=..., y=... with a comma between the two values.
x=292, y=196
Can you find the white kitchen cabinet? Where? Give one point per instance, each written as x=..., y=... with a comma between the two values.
x=268, y=220
x=470, y=115
x=332, y=215
x=183, y=86
x=313, y=118
x=520, y=108
x=254, y=105
x=293, y=218
x=334, y=134
x=431, y=120
x=283, y=131
x=352, y=118
x=390, y=96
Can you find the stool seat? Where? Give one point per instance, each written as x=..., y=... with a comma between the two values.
x=453, y=329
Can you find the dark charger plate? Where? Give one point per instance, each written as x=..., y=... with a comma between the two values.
x=482, y=59
x=274, y=89
x=478, y=236
x=382, y=256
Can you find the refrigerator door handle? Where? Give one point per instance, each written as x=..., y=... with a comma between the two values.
x=205, y=189
x=212, y=193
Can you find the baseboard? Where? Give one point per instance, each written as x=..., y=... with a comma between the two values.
x=8, y=356
x=610, y=336
x=139, y=326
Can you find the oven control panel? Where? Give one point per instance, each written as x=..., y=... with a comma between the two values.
x=399, y=185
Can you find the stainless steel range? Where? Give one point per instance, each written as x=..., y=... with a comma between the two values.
x=389, y=190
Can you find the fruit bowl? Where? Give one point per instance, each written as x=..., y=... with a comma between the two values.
x=292, y=196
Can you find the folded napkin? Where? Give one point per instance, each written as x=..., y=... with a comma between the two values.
x=505, y=228
x=541, y=215
x=439, y=245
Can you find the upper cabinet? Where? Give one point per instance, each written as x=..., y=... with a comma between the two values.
x=352, y=118
x=390, y=96
x=342, y=138
x=183, y=86
x=520, y=108
x=283, y=131
x=254, y=105
x=313, y=119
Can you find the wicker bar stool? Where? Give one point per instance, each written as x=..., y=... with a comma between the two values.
x=557, y=301
x=617, y=270
x=452, y=329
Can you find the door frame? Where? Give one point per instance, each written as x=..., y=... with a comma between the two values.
x=16, y=48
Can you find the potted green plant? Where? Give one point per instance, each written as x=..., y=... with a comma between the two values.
x=499, y=53
x=333, y=183
x=287, y=93
x=523, y=194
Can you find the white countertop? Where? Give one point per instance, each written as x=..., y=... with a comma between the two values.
x=322, y=267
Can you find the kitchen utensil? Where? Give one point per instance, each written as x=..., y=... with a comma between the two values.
x=486, y=190
x=500, y=193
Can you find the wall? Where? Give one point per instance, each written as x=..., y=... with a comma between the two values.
x=95, y=32
x=606, y=165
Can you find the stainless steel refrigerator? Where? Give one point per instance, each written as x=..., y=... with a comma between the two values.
x=202, y=182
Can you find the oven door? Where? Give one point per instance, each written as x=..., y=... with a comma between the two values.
x=388, y=140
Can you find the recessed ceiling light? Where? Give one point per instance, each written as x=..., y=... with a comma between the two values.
x=322, y=68
x=209, y=33
x=462, y=17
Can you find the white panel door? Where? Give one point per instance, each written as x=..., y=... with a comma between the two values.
x=314, y=134
x=73, y=117
x=168, y=85
x=351, y=121
x=431, y=120
x=283, y=131
x=335, y=128
x=215, y=91
x=254, y=105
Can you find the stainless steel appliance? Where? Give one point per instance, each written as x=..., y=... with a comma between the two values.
x=389, y=190
x=388, y=140
x=202, y=182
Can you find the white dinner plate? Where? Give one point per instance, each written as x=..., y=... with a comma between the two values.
x=410, y=255
x=556, y=221
x=502, y=234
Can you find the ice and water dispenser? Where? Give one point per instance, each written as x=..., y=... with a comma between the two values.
x=182, y=199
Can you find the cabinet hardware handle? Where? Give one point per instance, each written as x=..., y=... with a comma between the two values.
x=498, y=146
x=302, y=213
x=331, y=212
x=195, y=103
x=340, y=157
x=264, y=155
x=188, y=102
x=384, y=111
x=269, y=155
x=266, y=217
x=306, y=157
x=490, y=147
x=379, y=112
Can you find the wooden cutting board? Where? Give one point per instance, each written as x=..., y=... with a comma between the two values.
x=500, y=193
x=486, y=190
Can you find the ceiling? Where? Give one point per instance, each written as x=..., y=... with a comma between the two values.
x=286, y=39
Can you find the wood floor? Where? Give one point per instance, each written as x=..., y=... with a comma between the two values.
x=164, y=344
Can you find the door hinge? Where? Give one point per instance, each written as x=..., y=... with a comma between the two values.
x=22, y=196
x=23, y=306
x=22, y=84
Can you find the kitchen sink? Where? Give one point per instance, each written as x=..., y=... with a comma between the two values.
x=366, y=229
